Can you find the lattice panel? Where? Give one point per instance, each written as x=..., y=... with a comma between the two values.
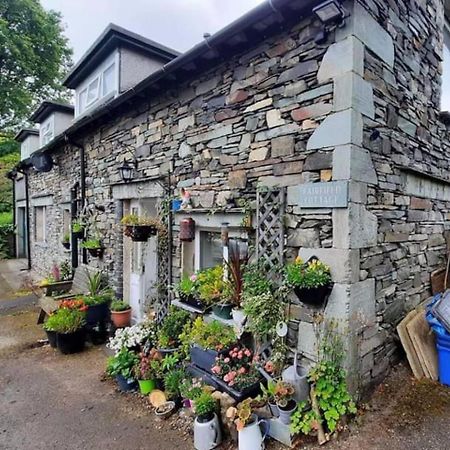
x=270, y=226
x=163, y=299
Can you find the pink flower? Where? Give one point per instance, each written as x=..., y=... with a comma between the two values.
x=248, y=352
x=240, y=356
x=216, y=369
x=226, y=360
x=231, y=383
x=242, y=370
x=226, y=378
x=232, y=375
x=235, y=349
x=193, y=277
x=269, y=366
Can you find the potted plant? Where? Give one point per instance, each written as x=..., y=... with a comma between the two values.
x=94, y=247
x=248, y=425
x=120, y=314
x=236, y=372
x=134, y=338
x=187, y=290
x=171, y=329
x=283, y=395
x=140, y=228
x=121, y=367
x=172, y=383
x=269, y=396
x=207, y=432
x=310, y=280
x=147, y=370
x=49, y=327
x=78, y=228
x=237, y=261
x=190, y=389
x=214, y=290
x=98, y=299
x=206, y=340
x=66, y=241
x=68, y=323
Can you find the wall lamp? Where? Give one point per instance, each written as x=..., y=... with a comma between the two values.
x=127, y=170
x=332, y=14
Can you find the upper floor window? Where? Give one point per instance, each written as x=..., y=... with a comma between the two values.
x=102, y=85
x=445, y=93
x=47, y=129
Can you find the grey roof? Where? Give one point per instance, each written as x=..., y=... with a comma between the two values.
x=49, y=106
x=112, y=37
x=24, y=133
x=267, y=18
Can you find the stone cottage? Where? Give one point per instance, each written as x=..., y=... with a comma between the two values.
x=334, y=107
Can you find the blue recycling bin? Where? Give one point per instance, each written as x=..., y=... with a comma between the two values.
x=444, y=364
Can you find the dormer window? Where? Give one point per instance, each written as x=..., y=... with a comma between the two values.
x=101, y=86
x=47, y=130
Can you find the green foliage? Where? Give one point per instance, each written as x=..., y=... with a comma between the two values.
x=9, y=157
x=187, y=285
x=191, y=388
x=91, y=243
x=119, y=305
x=93, y=300
x=122, y=364
x=78, y=226
x=66, y=238
x=304, y=419
x=212, y=288
x=6, y=218
x=311, y=274
x=65, y=320
x=204, y=404
x=171, y=328
x=256, y=281
x=135, y=220
x=328, y=380
x=34, y=55
x=264, y=311
x=97, y=282
x=172, y=382
x=213, y=335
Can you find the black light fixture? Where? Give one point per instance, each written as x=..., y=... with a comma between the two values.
x=127, y=170
x=332, y=14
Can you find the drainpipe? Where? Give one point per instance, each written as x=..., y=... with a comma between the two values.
x=73, y=215
x=14, y=213
x=82, y=180
x=27, y=216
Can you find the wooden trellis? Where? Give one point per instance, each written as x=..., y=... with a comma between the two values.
x=270, y=206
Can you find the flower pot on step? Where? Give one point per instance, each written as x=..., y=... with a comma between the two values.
x=207, y=432
x=97, y=313
x=121, y=319
x=287, y=411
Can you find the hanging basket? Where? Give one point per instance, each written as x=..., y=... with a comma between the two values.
x=314, y=297
x=96, y=252
x=140, y=233
x=66, y=245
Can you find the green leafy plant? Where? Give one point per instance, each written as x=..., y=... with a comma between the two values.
x=119, y=305
x=93, y=300
x=66, y=238
x=310, y=274
x=187, y=286
x=212, y=335
x=204, y=404
x=138, y=221
x=169, y=362
x=191, y=388
x=172, y=382
x=148, y=366
x=171, y=328
x=255, y=280
x=264, y=311
x=65, y=321
x=303, y=420
x=97, y=282
x=78, y=226
x=242, y=414
x=122, y=363
x=93, y=243
x=212, y=287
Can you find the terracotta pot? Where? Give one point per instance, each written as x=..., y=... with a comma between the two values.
x=121, y=319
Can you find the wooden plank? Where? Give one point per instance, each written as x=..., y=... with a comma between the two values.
x=424, y=343
x=408, y=345
x=437, y=278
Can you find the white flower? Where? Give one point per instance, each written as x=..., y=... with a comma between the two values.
x=132, y=336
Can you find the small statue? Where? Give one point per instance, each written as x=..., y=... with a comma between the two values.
x=185, y=199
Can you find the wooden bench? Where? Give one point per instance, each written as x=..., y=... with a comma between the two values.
x=63, y=290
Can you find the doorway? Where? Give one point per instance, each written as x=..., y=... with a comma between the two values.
x=140, y=263
x=21, y=233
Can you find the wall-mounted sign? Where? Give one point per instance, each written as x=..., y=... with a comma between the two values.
x=332, y=194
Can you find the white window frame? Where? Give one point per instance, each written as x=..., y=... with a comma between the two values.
x=98, y=74
x=47, y=130
x=44, y=224
x=446, y=74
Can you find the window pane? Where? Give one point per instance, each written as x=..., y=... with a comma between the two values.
x=445, y=97
x=211, y=251
x=82, y=100
x=92, y=91
x=108, y=80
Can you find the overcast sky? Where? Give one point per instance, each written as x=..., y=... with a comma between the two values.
x=179, y=24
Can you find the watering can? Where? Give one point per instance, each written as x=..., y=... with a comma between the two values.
x=297, y=376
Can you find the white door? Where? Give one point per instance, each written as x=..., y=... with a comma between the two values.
x=143, y=264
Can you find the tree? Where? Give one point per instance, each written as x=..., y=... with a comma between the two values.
x=9, y=157
x=34, y=57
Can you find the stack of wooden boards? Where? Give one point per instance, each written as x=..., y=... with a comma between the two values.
x=419, y=343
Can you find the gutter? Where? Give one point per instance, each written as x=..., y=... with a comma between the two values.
x=256, y=14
